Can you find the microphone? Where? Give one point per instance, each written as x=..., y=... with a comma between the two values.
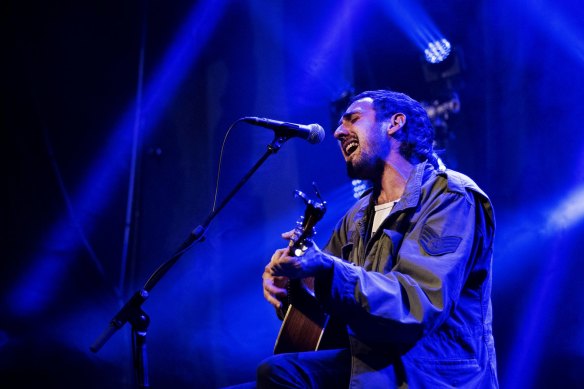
x=313, y=133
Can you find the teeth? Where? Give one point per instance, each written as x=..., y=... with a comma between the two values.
x=351, y=147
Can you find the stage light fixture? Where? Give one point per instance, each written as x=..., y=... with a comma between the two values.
x=437, y=51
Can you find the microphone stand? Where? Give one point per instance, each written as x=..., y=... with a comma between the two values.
x=132, y=311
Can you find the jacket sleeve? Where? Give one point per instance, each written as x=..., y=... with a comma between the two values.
x=417, y=293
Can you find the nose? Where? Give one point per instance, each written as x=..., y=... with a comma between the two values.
x=340, y=132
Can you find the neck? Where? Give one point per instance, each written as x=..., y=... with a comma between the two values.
x=393, y=179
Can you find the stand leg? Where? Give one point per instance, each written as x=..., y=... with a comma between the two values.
x=139, y=330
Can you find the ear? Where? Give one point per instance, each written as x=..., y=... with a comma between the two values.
x=396, y=122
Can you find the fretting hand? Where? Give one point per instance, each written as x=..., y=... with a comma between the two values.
x=283, y=267
x=274, y=286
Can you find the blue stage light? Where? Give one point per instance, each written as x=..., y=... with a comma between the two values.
x=36, y=289
x=568, y=213
x=437, y=51
x=359, y=187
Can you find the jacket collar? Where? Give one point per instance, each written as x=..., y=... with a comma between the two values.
x=410, y=198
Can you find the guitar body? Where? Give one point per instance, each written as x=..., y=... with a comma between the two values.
x=304, y=325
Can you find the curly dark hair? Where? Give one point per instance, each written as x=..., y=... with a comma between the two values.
x=417, y=135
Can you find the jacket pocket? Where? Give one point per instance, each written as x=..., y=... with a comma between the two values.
x=457, y=373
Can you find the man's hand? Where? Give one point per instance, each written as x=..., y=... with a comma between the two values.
x=284, y=267
x=274, y=286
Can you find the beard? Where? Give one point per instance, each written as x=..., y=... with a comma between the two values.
x=370, y=163
x=365, y=168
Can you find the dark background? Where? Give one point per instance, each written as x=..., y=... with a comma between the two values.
x=113, y=118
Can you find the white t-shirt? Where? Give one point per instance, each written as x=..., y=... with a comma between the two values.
x=381, y=212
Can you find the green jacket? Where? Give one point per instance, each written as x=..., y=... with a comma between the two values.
x=415, y=297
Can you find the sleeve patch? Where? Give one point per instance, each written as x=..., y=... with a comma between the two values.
x=434, y=244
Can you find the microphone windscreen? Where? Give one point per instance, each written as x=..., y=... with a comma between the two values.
x=316, y=133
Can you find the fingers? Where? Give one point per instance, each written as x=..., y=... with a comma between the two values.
x=288, y=234
x=274, y=293
x=280, y=282
x=274, y=286
x=274, y=297
x=279, y=262
x=274, y=283
x=277, y=255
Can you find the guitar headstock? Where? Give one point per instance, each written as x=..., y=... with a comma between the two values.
x=314, y=211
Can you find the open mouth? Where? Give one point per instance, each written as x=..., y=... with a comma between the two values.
x=350, y=147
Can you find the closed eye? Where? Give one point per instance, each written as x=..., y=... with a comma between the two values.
x=350, y=117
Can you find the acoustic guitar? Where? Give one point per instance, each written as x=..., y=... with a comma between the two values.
x=305, y=326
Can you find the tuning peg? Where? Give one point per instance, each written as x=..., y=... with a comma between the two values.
x=316, y=191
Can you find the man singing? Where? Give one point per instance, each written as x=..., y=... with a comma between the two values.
x=407, y=270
